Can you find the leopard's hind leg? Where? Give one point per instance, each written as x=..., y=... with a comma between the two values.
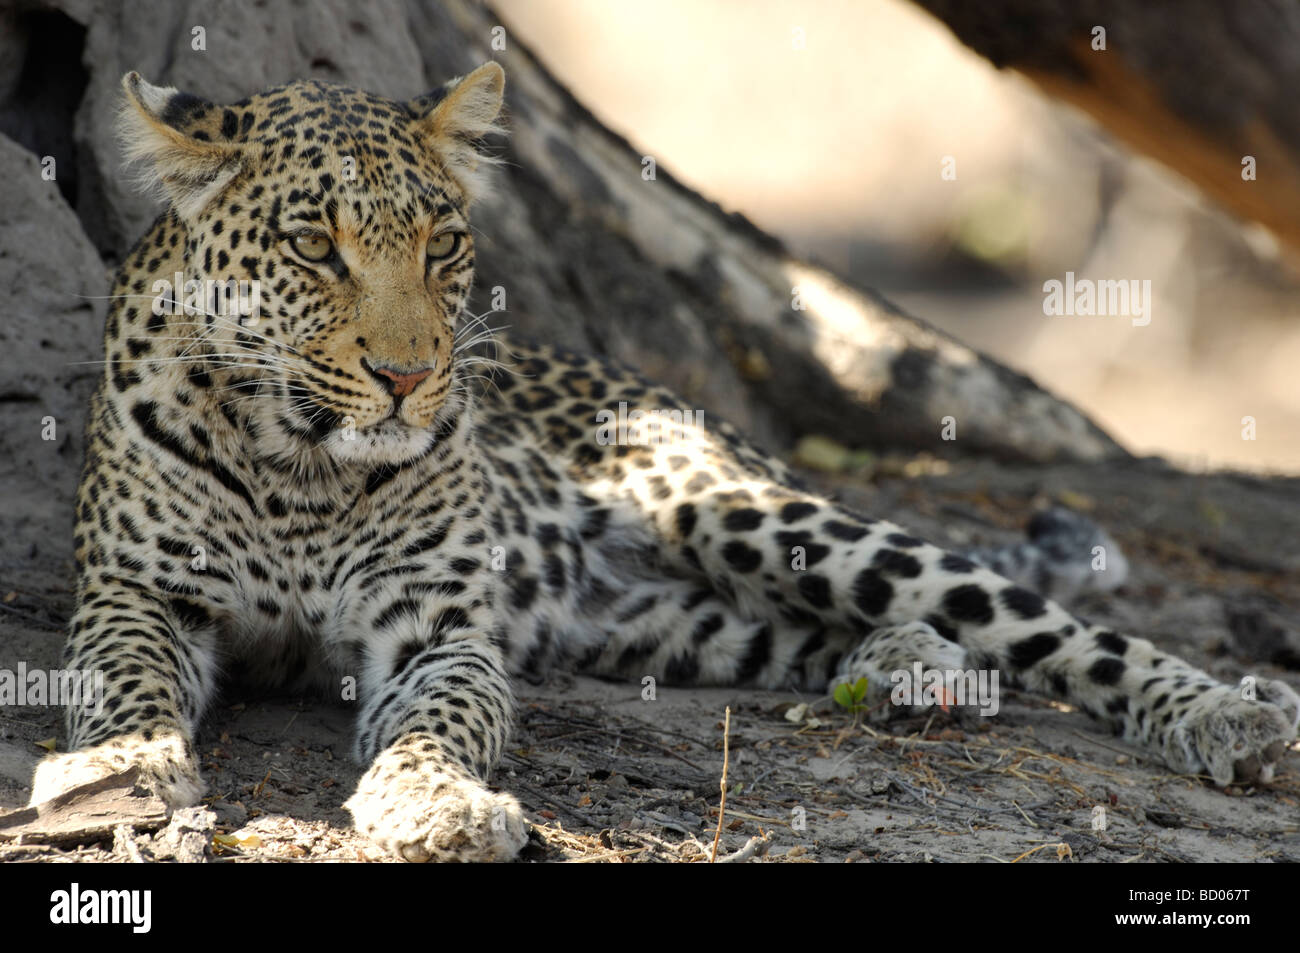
x=814, y=569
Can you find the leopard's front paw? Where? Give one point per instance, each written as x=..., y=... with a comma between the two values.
x=422, y=814
x=166, y=769
x=1236, y=734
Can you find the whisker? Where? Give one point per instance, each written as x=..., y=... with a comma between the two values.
x=189, y=310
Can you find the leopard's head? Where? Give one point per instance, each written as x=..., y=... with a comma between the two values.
x=338, y=221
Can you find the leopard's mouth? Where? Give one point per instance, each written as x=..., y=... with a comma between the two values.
x=378, y=436
x=390, y=428
x=390, y=441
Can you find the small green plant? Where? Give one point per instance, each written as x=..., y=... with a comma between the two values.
x=850, y=697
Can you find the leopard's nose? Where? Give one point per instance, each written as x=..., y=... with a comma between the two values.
x=398, y=381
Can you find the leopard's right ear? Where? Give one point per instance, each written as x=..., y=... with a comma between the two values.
x=184, y=144
x=454, y=120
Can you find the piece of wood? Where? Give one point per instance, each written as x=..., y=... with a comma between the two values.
x=86, y=814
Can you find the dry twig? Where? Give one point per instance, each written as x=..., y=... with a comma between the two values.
x=722, y=806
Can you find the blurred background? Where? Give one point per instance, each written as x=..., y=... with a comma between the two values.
x=828, y=124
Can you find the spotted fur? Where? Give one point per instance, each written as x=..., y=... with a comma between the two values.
x=340, y=489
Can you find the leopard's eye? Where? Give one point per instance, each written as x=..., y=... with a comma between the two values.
x=313, y=247
x=443, y=246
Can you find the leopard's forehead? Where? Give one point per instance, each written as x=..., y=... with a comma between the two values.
x=325, y=113
x=320, y=135
x=321, y=150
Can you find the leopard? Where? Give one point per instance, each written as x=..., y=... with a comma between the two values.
x=338, y=485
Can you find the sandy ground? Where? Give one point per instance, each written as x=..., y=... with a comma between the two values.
x=606, y=775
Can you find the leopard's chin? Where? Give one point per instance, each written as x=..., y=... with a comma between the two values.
x=387, y=442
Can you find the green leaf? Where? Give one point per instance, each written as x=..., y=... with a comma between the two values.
x=860, y=689
x=843, y=695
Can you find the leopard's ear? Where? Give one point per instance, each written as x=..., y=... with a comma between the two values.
x=181, y=141
x=455, y=119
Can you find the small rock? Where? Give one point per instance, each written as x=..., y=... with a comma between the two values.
x=188, y=837
x=230, y=814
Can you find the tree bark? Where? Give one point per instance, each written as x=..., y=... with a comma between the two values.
x=86, y=814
